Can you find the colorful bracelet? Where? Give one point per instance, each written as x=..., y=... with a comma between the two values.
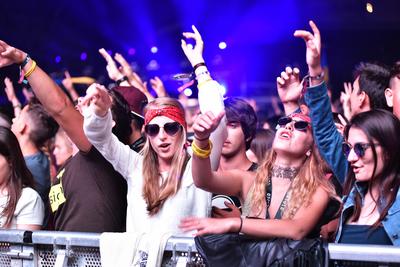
x=31, y=69
x=26, y=60
x=202, y=153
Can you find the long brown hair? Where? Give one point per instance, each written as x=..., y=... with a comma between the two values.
x=304, y=185
x=19, y=177
x=380, y=127
x=154, y=192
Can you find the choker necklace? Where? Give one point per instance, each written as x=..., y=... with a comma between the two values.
x=284, y=172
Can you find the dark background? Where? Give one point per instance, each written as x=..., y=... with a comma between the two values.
x=259, y=37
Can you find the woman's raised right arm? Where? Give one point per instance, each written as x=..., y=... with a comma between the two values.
x=98, y=129
x=54, y=100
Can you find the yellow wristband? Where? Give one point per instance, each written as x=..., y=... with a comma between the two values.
x=31, y=69
x=201, y=153
x=204, y=82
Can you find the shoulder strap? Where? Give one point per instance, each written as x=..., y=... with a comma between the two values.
x=268, y=197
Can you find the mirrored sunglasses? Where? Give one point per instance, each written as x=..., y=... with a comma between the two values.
x=171, y=128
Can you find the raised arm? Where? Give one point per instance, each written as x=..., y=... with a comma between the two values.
x=69, y=86
x=326, y=136
x=97, y=126
x=227, y=182
x=10, y=92
x=55, y=101
x=210, y=98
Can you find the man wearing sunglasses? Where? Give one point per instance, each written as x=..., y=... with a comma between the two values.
x=241, y=128
x=368, y=93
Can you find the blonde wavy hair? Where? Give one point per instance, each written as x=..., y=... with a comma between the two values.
x=154, y=192
x=308, y=179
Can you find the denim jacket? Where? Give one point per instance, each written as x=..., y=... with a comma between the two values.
x=390, y=223
x=328, y=139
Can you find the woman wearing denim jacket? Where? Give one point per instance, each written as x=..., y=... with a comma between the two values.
x=371, y=210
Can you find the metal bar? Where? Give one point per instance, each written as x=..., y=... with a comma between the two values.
x=357, y=252
x=12, y=236
x=64, y=238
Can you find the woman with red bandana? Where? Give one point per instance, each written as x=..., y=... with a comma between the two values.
x=286, y=199
x=160, y=185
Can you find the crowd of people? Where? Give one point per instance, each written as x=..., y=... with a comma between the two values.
x=121, y=159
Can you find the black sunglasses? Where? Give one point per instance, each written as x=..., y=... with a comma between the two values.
x=298, y=125
x=171, y=128
x=359, y=148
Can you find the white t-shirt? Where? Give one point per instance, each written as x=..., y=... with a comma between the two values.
x=29, y=209
x=188, y=201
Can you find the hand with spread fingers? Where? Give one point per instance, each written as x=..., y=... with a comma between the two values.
x=96, y=98
x=210, y=225
x=313, y=44
x=205, y=124
x=193, y=54
x=158, y=87
x=10, y=55
x=124, y=67
x=112, y=69
x=288, y=85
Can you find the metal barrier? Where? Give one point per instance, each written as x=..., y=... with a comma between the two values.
x=48, y=248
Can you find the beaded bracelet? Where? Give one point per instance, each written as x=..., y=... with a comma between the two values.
x=202, y=153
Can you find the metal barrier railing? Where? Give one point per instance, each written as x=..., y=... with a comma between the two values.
x=49, y=248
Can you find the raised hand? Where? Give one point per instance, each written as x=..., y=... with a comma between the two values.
x=345, y=99
x=67, y=81
x=313, y=44
x=124, y=68
x=195, y=54
x=112, y=69
x=205, y=124
x=10, y=55
x=158, y=87
x=10, y=92
x=289, y=85
x=96, y=98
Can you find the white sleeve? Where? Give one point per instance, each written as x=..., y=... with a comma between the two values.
x=210, y=99
x=98, y=131
x=30, y=208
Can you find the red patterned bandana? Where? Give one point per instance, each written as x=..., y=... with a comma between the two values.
x=171, y=112
x=302, y=117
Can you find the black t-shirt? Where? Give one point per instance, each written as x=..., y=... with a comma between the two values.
x=95, y=195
